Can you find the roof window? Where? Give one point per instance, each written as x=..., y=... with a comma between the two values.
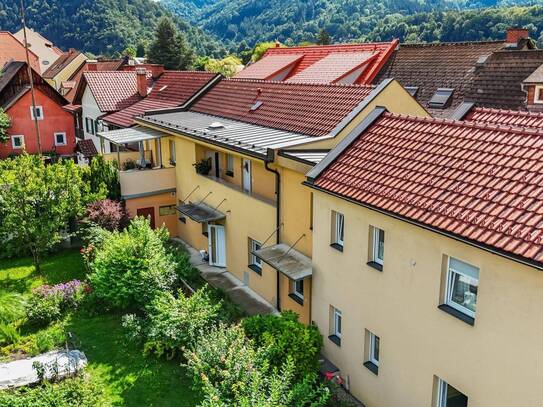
x=441, y=99
x=162, y=88
x=256, y=105
x=216, y=126
x=412, y=90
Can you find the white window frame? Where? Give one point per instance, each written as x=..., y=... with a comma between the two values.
x=371, y=349
x=65, y=140
x=295, y=288
x=339, y=228
x=449, y=287
x=442, y=390
x=375, y=245
x=538, y=95
x=20, y=137
x=336, y=316
x=254, y=260
x=39, y=109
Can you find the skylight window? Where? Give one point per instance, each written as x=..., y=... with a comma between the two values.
x=256, y=105
x=216, y=126
x=412, y=90
x=162, y=88
x=441, y=98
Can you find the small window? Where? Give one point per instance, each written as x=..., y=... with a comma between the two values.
x=338, y=230
x=230, y=165
x=335, y=325
x=60, y=139
x=297, y=291
x=255, y=263
x=172, y=152
x=538, y=97
x=36, y=112
x=448, y=396
x=167, y=210
x=372, y=352
x=377, y=248
x=87, y=126
x=462, y=283
x=17, y=142
x=441, y=99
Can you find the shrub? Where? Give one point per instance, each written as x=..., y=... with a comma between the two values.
x=130, y=268
x=78, y=391
x=12, y=306
x=284, y=337
x=107, y=214
x=44, y=340
x=175, y=323
x=9, y=334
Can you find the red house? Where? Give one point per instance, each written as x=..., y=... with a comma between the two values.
x=56, y=125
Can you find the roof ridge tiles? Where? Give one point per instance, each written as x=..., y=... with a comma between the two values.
x=507, y=111
x=440, y=44
x=294, y=83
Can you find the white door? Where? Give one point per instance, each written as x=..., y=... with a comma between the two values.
x=246, y=175
x=217, y=245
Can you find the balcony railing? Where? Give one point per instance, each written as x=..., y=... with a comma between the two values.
x=240, y=189
x=136, y=182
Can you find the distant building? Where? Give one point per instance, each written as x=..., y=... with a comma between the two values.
x=56, y=124
x=64, y=68
x=41, y=46
x=11, y=49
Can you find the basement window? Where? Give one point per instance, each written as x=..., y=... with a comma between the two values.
x=441, y=99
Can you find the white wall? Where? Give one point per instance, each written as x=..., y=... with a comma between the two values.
x=91, y=110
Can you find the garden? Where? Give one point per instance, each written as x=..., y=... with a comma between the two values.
x=153, y=331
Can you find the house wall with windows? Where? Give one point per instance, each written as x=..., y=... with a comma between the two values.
x=492, y=362
x=57, y=132
x=67, y=72
x=90, y=116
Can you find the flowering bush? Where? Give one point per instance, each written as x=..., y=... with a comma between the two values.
x=49, y=302
x=108, y=214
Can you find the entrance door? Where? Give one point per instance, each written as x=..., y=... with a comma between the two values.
x=149, y=213
x=246, y=175
x=217, y=245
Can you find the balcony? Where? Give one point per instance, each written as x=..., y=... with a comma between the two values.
x=138, y=183
x=239, y=189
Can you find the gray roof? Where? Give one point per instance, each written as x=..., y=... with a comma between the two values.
x=309, y=156
x=229, y=133
x=200, y=212
x=129, y=135
x=286, y=260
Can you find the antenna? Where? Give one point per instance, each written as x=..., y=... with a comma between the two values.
x=30, y=78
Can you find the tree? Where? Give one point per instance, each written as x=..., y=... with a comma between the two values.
x=228, y=66
x=324, y=38
x=102, y=178
x=140, y=50
x=169, y=47
x=37, y=201
x=5, y=123
x=260, y=49
x=130, y=52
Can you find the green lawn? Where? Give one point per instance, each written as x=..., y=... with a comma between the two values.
x=129, y=377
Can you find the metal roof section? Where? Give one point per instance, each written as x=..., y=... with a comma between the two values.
x=310, y=157
x=231, y=133
x=286, y=260
x=200, y=212
x=130, y=135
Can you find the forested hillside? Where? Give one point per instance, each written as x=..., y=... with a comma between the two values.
x=296, y=21
x=99, y=26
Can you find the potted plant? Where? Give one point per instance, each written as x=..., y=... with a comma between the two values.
x=203, y=167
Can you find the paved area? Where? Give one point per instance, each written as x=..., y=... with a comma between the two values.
x=219, y=277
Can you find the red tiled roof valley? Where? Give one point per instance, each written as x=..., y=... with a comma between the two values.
x=309, y=109
x=481, y=183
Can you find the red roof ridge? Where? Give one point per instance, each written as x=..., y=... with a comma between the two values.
x=350, y=44
x=507, y=111
x=293, y=83
x=442, y=44
x=468, y=123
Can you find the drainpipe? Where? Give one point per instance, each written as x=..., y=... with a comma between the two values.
x=270, y=157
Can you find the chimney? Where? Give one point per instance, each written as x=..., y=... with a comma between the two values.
x=515, y=34
x=277, y=44
x=141, y=81
x=92, y=65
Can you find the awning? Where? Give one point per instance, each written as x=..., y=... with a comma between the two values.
x=286, y=260
x=200, y=212
x=130, y=135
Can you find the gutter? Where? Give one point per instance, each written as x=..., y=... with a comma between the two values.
x=270, y=157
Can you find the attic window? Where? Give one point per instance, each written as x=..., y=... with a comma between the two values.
x=216, y=126
x=412, y=90
x=256, y=105
x=441, y=98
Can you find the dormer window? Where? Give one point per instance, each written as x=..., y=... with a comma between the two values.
x=441, y=99
x=412, y=90
x=538, y=95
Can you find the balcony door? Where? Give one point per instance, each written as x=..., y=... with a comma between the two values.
x=217, y=245
x=247, y=176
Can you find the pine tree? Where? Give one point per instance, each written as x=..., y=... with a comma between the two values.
x=324, y=38
x=169, y=47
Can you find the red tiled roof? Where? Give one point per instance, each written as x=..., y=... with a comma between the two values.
x=268, y=66
x=302, y=108
x=87, y=148
x=505, y=117
x=173, y=88
x=113, y=90
x=11, y=49
x=314, y=54
x=480, y=183
x=109, y=65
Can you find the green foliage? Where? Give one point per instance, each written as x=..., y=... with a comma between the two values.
x=37, y=201
x=227, y=66
x=130, y=268
x=324, y=38
x=177, y=323
x=284, y=338
x=260, y=49
x=78, y=391
x=44, y=310
x=5, y=123
x=102, y=176
x=201, y=62
x=169, y=47
x=8, y=334
x=12, y=306
x=130, y=52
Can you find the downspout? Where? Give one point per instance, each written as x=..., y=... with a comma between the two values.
x=270, y=157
